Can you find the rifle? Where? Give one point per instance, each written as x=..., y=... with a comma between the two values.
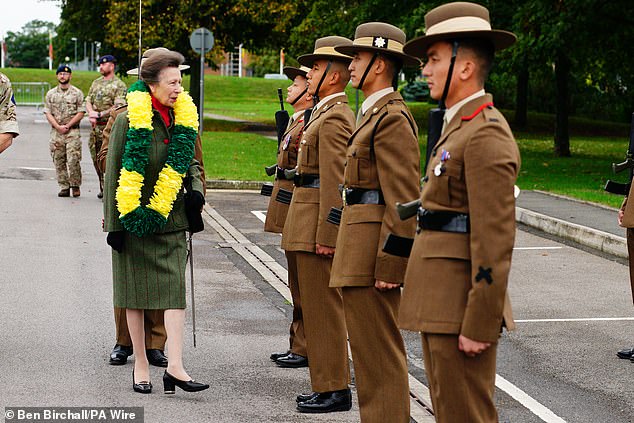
x=616, y=187
x=281, y=118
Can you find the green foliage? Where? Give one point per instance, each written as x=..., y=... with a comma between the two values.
x=415, y=91
x=28, y=48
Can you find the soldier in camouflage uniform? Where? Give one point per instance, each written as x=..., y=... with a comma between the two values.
x=8, y=122
x=64, y=109
x=106, y=93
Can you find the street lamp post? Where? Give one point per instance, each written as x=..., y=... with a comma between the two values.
x=75, y=40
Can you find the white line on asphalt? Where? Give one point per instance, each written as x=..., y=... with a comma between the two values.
x=34, y=168
x=260, y=214
x=582, y=319
x=527, y=401
x=538, y=248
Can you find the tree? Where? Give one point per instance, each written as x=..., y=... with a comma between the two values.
x=256, y=25
x=87, y=24
x=28, y=48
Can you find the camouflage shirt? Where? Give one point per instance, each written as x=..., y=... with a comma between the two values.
x=64, y=104
x=8, y=121
x=105, y=93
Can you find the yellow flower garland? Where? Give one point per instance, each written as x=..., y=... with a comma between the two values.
x=136, y=218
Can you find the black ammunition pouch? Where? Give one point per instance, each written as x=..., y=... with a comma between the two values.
x=306, y=181
x=334, y=216
x=353, y=196
x=444, y=221
x=266, y=190
x=398, y=245
x=284, y=196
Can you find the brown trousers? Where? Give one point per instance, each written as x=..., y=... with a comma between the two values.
x=461, y=387
x=378, y=354
x=297, y=339
x=324, y=324
x=155, y=335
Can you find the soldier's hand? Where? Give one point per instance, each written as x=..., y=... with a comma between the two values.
x=93, y=115
x=470, y=347
x=620, y=217
x=321, y=250
x=385, y=286
x=115, y=240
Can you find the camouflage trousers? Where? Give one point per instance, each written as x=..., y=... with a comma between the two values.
x=66, y=154
x=94, y=144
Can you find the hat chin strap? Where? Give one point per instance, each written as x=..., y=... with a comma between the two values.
x=321, y=81
x=367, y=70
x=445, y=92
x=299, y=96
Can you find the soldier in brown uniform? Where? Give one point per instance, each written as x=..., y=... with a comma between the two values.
x=455, y=285
x=8, y=121
x=64, y=109
x=382, y=168
x=105, y=94
x=276, y=213
x=155, y=335
x=307, y=234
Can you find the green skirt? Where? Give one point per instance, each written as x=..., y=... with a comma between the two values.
x=150, y=271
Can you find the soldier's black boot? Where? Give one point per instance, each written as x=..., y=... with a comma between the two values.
x=64, y=192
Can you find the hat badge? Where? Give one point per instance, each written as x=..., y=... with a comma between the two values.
x=379, y=42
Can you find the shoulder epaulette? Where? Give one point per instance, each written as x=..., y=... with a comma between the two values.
x=477, y=112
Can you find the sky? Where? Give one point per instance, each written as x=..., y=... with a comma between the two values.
x=15, y=13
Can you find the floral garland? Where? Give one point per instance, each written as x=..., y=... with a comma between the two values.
x=142, y=220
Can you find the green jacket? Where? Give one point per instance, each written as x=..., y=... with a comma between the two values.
x=177, y=220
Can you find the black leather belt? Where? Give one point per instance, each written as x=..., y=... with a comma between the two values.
x=306, y=181
x=352, y=196
x=444, y=221
x=279, y=173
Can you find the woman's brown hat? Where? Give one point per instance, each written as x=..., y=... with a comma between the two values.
x=381, y=38
x=458, y=20
x=147, y=54
x=325, y=49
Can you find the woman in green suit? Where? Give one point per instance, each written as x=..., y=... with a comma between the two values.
x=150, y=160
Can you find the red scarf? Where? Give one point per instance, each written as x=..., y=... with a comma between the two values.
x=163, y=110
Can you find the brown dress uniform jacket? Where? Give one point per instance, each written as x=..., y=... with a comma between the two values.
x=383, y=154
x=322, y=151
x=286, y=159
x=103, y=152
x=456, y=282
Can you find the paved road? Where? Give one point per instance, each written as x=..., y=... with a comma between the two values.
x=57, y=331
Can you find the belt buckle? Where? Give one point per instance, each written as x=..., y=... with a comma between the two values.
x=343, y=196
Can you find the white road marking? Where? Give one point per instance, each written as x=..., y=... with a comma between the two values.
x=35, y=168
x=582, y=319
x=538, y=248
x=527, y=401
x=260, y=214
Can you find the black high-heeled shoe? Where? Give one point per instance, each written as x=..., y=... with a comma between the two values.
x=142, y=387
x=170, y=383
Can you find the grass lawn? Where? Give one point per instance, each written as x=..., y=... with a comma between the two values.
x=237, y=155
x=242, y=156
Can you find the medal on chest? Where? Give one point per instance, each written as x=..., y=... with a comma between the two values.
x=287, y=140
x=440, y=167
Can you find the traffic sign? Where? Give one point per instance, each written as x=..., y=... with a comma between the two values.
x=201, y=40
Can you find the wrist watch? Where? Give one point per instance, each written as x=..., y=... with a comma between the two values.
x=99, y=115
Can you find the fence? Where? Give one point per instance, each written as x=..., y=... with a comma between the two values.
x=30, y=93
